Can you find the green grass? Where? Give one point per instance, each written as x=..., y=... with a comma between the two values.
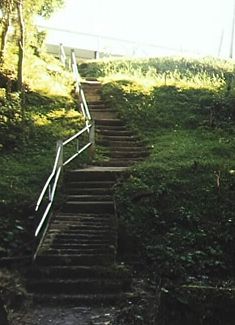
x=28, y=135
x=179, y=203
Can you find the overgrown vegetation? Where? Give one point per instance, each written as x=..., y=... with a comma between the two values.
x=179, y=203
x=30, y=125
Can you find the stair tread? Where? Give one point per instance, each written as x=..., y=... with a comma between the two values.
x=93, y=196
x=79, y=280
x=90, y=202
x=79, y=225
x=97, y=298
x=77, y=255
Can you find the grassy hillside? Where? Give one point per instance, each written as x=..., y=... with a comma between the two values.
x=28, y=134
x=179, y=203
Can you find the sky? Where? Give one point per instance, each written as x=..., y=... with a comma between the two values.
x=193, y=26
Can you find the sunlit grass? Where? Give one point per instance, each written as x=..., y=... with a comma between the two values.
x=184, y=110
x=29, y=132
x=170, y=78
x=47, y=77
x=207, y=73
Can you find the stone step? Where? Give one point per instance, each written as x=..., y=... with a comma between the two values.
x=116, y=122
x=78, y=241
x=90, y=198
x=114, y=138
x=79, y=226
x=70, y=225
x=66, y=222
x=91, y=184
x=81, y=231
x=81, y=219
x=75, y=239
x=81, y=246
x=86, y=217
x=117, y=143
x=75, y=251
x=69, y=236
x=93, y=175
x=72, y=272
x=79, y=259
x=89, y=206
x=98, y=113
x=75, y=300
x=75, y=286
x=112, y=127
x=91, y=83
x=104, y=132
x=89, y=191
x=91, y=98
x=92, y=90
x=133, y=149
x=120, y=162
x=71, y=218
x=79, y=235
x=126, y=154
x=97, y=105
x=73, y=221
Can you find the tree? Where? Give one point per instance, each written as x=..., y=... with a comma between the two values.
x=21, y=44
x=48, y=7
x=7, y=8
x=25, y=11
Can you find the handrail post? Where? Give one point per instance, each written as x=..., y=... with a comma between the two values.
x=92, y=141
x=59, y=144
x=74, y=66
x=62, y=55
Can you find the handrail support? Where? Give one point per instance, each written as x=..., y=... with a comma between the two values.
x=59, y=145
x=92, y=141
x=77, y=145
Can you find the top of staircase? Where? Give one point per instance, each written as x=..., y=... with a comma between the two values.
x=90, y=82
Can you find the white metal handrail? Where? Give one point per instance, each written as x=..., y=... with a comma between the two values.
x=52, y=181
x=62, y=55
x=79, y=91
x=50, y=186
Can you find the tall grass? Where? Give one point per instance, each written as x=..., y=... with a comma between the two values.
x=183, y=72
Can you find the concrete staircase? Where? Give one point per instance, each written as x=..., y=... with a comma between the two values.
x=77, y=261
x=123, y=147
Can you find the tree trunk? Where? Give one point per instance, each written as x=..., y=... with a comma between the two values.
x=20, y=45
x=6, y=20
x=5, y=28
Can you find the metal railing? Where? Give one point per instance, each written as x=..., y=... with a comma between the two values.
x=47, y=195
x=78, y=87
x=63, y=57
x=49, y=189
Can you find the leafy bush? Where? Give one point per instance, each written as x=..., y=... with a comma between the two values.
x=11, y=121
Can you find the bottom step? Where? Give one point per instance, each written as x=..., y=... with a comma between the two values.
x=85, y=300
